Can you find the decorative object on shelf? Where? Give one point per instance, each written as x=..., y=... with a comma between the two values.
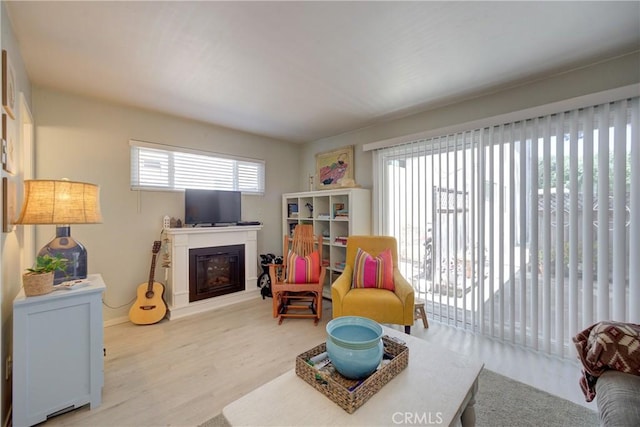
x=8, y=85
x=62, y=203
x=334, y=167
x=8, y=204
x=8, y=144
x=311, y=178
x=39, y=279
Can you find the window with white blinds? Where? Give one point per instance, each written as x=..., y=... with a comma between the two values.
x=161, y=167
x=527, y=231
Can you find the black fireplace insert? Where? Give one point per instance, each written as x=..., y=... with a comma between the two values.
x=215, y=271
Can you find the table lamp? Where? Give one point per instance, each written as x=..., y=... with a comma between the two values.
x=62, y=203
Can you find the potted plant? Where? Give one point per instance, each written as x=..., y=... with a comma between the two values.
x=39, y=279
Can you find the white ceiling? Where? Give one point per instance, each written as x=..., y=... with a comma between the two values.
x=301, y=71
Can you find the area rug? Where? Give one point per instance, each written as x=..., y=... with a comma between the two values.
x=503, y=402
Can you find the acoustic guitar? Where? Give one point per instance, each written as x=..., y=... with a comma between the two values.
x=150, y=306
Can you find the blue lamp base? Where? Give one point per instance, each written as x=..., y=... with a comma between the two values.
x=70, y=249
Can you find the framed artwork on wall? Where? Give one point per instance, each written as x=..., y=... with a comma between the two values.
x=8, y=144
x=334, y=168
x=9, y=202
x=8, y=85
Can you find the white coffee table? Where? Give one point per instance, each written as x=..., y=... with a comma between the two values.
x=438, y=386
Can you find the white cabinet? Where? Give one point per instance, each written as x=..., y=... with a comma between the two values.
x=335, y=214
x=57, y=352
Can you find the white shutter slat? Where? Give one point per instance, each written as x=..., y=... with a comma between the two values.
x=168, y=168
x=634, y=219
x=619, y=210
x=602, y=237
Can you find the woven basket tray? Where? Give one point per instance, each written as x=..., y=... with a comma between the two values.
x=346, y=393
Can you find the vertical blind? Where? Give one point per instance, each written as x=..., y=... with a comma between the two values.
x=161, y=167
x=526, y=231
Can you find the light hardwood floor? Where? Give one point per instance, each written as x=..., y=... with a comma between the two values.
x=183, y=372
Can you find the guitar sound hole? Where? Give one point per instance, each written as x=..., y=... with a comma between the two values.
x=149, y=294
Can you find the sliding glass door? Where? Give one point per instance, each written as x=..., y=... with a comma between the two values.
x=523, y=231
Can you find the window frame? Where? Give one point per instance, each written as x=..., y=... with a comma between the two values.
x=172, y=169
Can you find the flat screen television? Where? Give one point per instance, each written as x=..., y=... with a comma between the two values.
x=212, y=207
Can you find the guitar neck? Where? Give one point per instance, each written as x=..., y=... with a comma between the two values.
x=152, y=273
x=154, y=251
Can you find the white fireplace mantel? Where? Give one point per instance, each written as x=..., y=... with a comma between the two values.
x=183, y=239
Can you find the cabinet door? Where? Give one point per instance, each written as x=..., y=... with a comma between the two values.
x=57, y=349
x=58, y=356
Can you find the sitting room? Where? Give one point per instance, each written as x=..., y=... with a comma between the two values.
x=213, y=187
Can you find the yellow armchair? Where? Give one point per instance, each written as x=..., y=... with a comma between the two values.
x=380, y=305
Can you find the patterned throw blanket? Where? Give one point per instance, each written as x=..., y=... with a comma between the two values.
x=604, y=346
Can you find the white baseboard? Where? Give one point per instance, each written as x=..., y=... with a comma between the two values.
x=199, y=306
x=213, y=303
x=116, y=321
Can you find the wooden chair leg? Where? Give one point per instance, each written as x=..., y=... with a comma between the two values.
x=276, y=303
x=420, y=313
x=423, y=316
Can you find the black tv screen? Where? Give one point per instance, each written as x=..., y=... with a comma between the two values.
x=215, y=207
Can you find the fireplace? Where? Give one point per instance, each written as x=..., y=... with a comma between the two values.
x=183, y=240
x=216, y=271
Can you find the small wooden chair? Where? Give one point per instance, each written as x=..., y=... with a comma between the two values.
x=420, y=313
x=298, y=300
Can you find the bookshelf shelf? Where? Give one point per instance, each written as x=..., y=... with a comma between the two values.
x=335, y=214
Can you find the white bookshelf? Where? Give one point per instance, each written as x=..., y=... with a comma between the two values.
x=334, y=224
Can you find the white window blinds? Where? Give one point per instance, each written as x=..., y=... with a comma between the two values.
x=161, y=167
x=527, y=231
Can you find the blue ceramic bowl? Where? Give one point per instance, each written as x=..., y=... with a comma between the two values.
x=354, y=345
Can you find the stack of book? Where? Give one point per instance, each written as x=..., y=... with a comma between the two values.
x=340, y=240
x=342, y=213
x=292, y=210
x=339, y=211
